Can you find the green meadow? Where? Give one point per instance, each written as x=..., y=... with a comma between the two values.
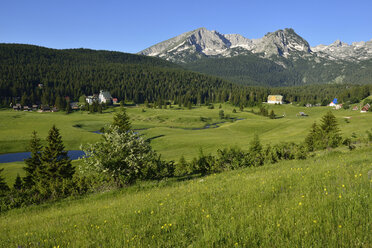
x=324, y=201
x=174, y=132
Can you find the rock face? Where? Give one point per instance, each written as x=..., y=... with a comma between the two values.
x=285, y=43
x=204, y=43
x=338, y=50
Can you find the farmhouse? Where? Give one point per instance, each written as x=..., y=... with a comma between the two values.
x=74, y=105
x=91, y=99
x=17, y=107
x=275, y=99
x=365, y=108
x=338, y=106
x=333, y=103
x=104, y=97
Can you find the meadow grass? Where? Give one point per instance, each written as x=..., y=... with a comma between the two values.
x=170, y=130
x=324, y=201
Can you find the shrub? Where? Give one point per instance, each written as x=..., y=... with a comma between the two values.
x=122, y=155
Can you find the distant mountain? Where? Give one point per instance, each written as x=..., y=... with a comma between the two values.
x=280, y=58
x=202, y=43
x=338, y=50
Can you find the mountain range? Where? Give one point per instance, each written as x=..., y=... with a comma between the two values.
x=279, y=58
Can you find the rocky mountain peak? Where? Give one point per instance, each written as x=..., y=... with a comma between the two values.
x=286, y=42
x=202, y=42
x=339, y=43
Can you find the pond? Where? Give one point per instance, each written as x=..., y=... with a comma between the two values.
x=20, y=156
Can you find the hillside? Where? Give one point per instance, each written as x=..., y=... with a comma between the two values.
x=246, y=70
x=41, y=74
x=321, y=202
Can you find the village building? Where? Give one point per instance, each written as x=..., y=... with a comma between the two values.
x=45, y=108
x=275, y=99
x=91, y=99
x=355, y=108
x=17, y=107
x=74, y=105
x=333, y=103
x=338, y=106
x=104, y=97
x=115, y=100
x=365, y=108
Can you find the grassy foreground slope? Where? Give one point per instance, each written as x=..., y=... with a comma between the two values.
x=324, y=201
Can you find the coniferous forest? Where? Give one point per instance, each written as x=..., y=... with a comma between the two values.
x=42, y=75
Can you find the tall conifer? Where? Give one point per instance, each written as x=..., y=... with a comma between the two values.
x=56, y=164
x=121, y=120
x=34, y=162
x=3, y=186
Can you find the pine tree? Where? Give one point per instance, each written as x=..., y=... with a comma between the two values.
x=272, y=115
x=121, y=120
x=34, y=162
x=59, y=103
x=221, y=114
x=18, y=185
x=330, y=131
x=189, y=106
x=255, y=152
x=56, y=164
x=312, y=139
x=68, y=107
x=3, y=186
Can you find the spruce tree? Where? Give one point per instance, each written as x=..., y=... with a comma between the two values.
x=272, y=115
x=3, y=186
x=221, y=114
x=56, y=164
x=34, y=162
x=121, y=120
x=18, y=185
x=68, y=107
x=255, y=152
x=330, y=131
x=313, y=138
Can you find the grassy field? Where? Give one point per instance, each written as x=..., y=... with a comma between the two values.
x=170, y=130
x=324, y=201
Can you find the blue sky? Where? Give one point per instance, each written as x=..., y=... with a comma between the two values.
x=131, y=26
